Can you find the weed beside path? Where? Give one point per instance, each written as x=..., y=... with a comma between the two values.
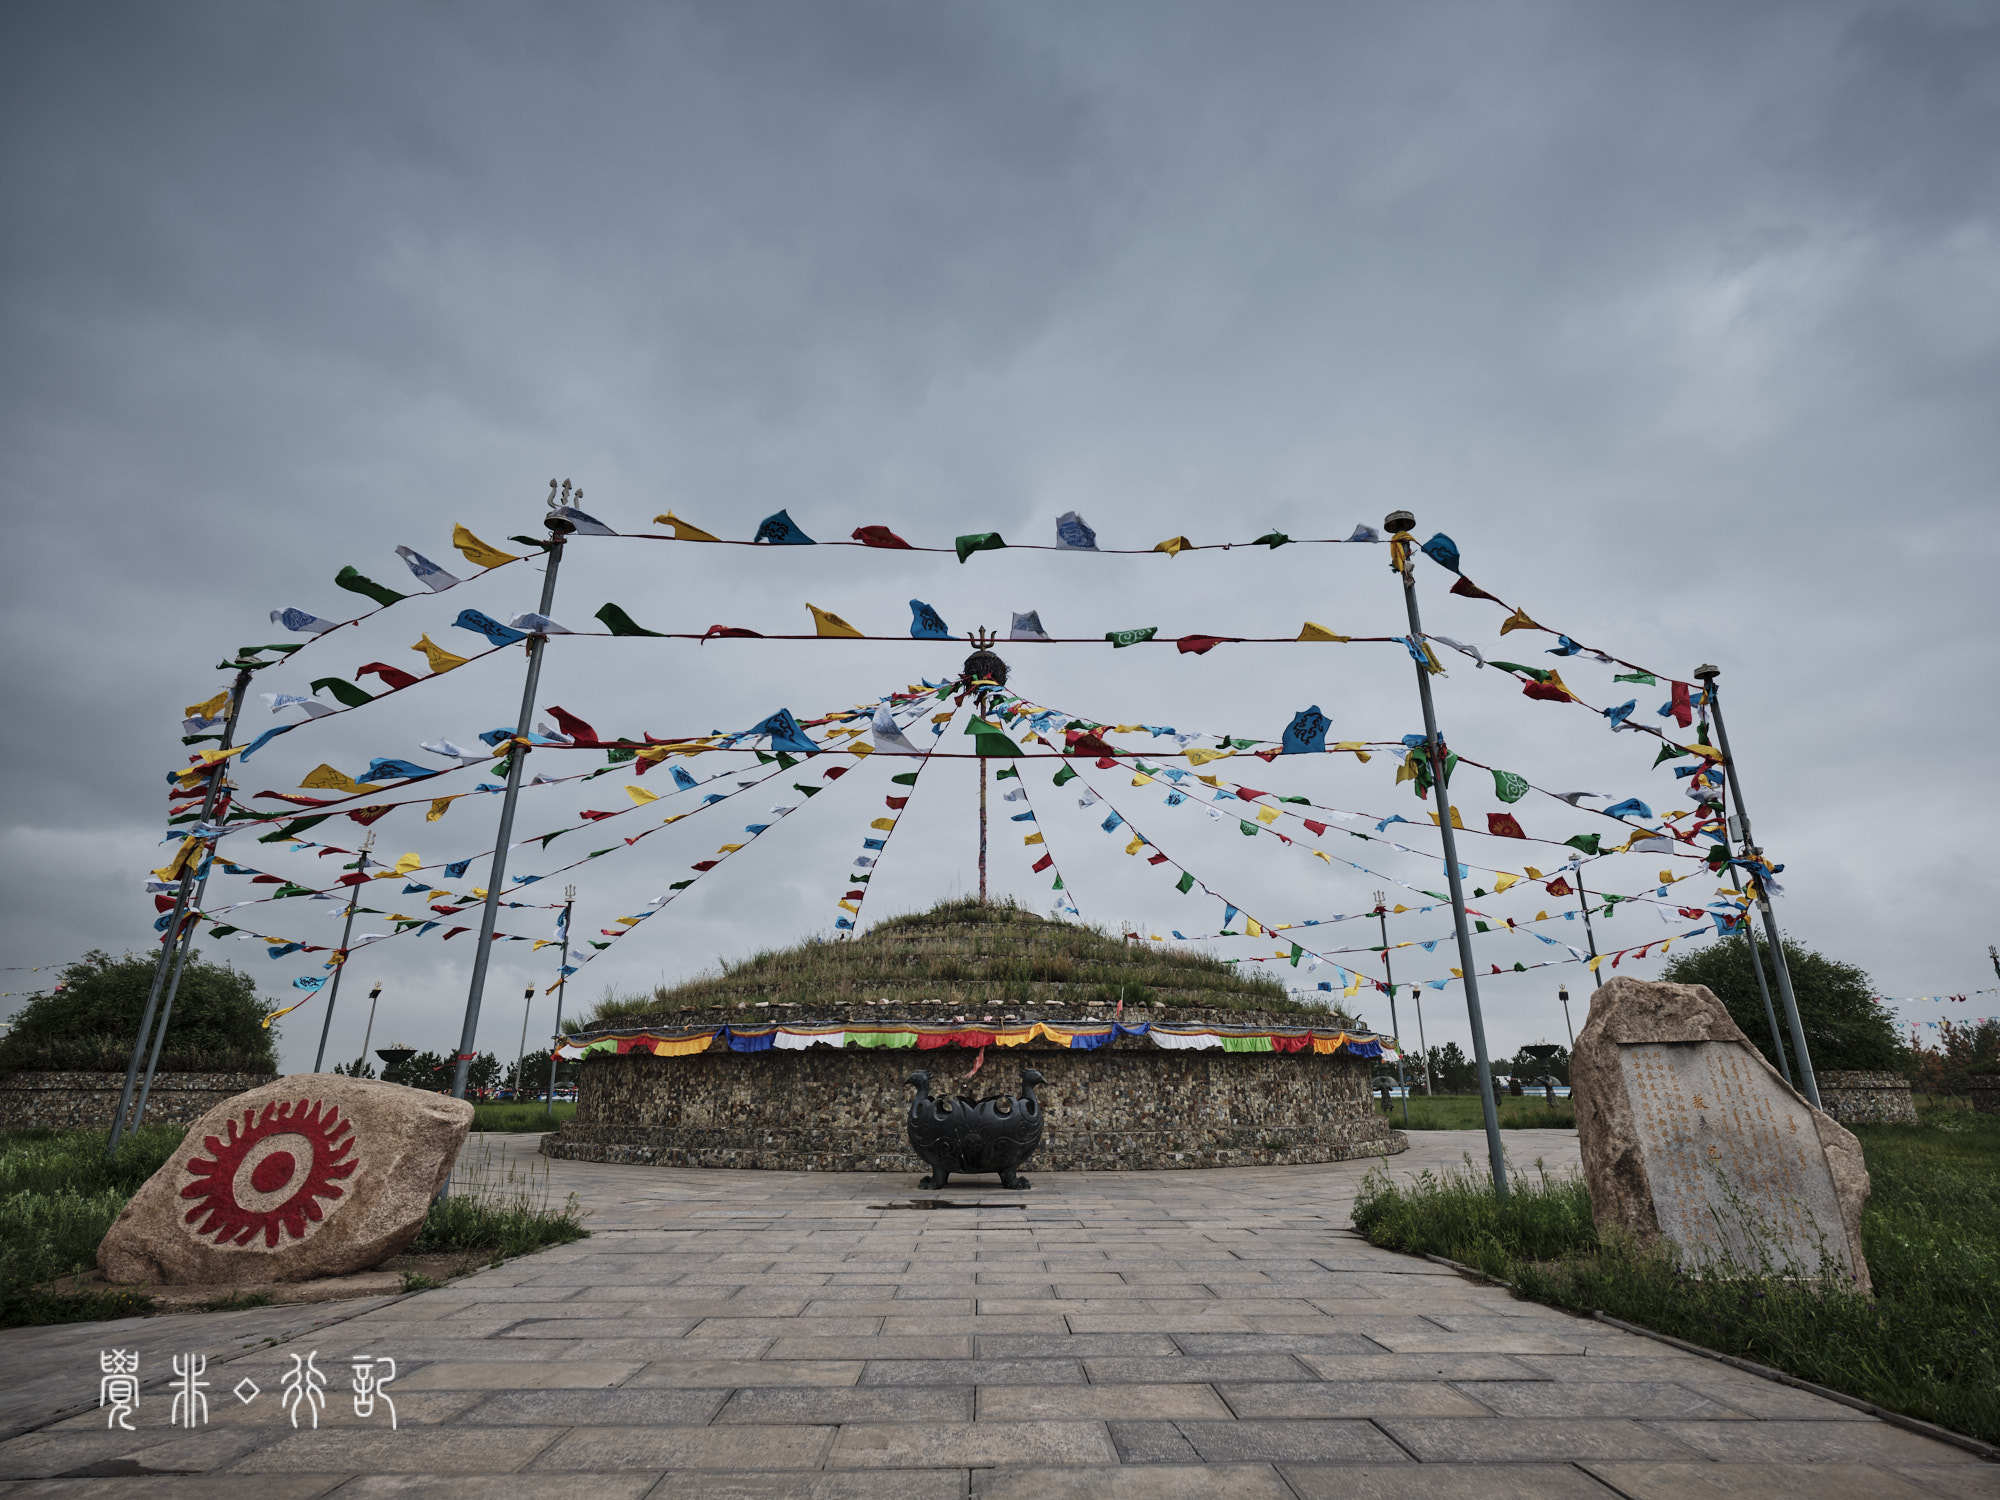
x=520, y=1119
x=59, y=1193
x=1925, y=1345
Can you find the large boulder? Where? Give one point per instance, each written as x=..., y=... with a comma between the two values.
x=314, y=1175
x=1689, y=1136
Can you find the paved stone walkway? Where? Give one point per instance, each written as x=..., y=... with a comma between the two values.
x=1146, y=1334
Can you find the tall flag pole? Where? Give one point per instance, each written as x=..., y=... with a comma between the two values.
x=1707, y=673
x=173, y=949
x=496, y=880
x=562, y=979
x=1399, y=524
x=340, y=959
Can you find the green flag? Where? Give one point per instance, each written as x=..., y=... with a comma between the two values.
x=619, y=623
x=356, y=582
x=1185, y=883
x=1131, y=637
x=1587, y=842
x=979, y=541
x=1645, y=678
x=1508, y=787
x=344, y=690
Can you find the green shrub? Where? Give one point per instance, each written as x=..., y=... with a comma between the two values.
x=87, y=1024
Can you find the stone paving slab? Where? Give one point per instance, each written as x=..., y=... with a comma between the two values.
x=1165, y=1334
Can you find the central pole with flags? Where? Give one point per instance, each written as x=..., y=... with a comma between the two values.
x=559, y=527
x=174, y=946
x=340, y=958
x=1403, y=546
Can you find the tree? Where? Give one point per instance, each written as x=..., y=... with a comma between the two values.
x=482, y=1075
x=359, y=1068
x=1451, y=1071
x=1844, y=1026
x=87, y=1024
x=1963, y=1049
x=422, y=1070
x=1528, y=1068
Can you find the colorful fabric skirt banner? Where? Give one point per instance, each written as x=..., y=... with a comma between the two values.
x=1074, y=1035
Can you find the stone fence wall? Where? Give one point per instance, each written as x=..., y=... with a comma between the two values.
x=62, y=1101
x=1986, y=1093
x=1112, y=1108
x=1856, y=1098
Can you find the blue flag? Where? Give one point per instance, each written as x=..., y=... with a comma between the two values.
x=682, y=779
x=926, y=624
x=1306, y=734
x=1443, y=551
x=1631, y=807
x=381, y=769
x=781, y=530
x=1072, y=535
x=785, y=733
x=486, y=625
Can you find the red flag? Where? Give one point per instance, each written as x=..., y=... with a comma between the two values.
x=1548, y=691
x=572, y=726
x=394, y=677
x=1197, y=645
x=896, y=804
x=1465, y=588
x=1557, y=887
x=1043, y=863
x=1504, y=825
x=724, y=632
x=1682, y=707
x=366, y=815
x=1316, y=828
x=879, y=536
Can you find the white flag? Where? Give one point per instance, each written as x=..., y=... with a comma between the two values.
x=428, y=573
x=1028, y=627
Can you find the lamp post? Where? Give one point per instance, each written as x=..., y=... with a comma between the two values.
x=1395, y=1026
x=346, y=931
x=374, y=994
x=1562, y=994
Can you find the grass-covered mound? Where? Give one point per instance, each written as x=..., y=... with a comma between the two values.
x=970, y=958
x=1924, y=1345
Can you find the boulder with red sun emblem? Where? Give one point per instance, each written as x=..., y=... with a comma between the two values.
x=314, y=1175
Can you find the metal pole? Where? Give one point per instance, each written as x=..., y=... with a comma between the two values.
x=1707, y=674
x=190, y=888
x=982, y=832
x=496, y=879
x=562, y=978
x=520, y=1071
x=1402, y=1082
x=346, y=931
x=1398, y=524
x=1583, y=905
x=368, y=1036
x=1757, y=968
x=1562, y=994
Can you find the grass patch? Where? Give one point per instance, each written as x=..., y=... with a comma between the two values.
x=59, y=1193
x=519, y=1119
x=1924, y=1345
x=1461, y=1112
x=501, y=1204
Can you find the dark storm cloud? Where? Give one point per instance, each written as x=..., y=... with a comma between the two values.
x=1682, y=319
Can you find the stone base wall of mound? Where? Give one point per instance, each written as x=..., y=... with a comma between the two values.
x=1121, y=1108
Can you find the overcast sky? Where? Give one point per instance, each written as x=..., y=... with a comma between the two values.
x=1684, y=321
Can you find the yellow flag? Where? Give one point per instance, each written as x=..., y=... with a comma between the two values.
x=945, y=717
x=477, y=551
x=682, y=529
x=1504, y=881
x=1142, y=780
x=208, y=710
x=1361, y=752
x=1173, y=546
x=1518, y=621
x=1400, y=546
x=826, y=622
x=641, y=795
x=1267, y=815
x=850, y=906
x=175, y=867
x=325, y=777
x=885, y=824
x=406, y=864
x=1136, y=845
x=1407, y=771
x=1668, y=877
x=1533, y=873
x=440, y=659
x=1458, y=973
x=1353, y=985
x=1251, y=928
x=729, y=849
x=1200, y=757
x=1592, y=965
x=1541, y=916
x=1127, y=728
x=541, y=943
x=861, y=747
x=439, y=806
x=630, y=921
x=1033, y=838
x=1312, y=632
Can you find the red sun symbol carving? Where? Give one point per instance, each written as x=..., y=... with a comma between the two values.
x=269, y=1173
